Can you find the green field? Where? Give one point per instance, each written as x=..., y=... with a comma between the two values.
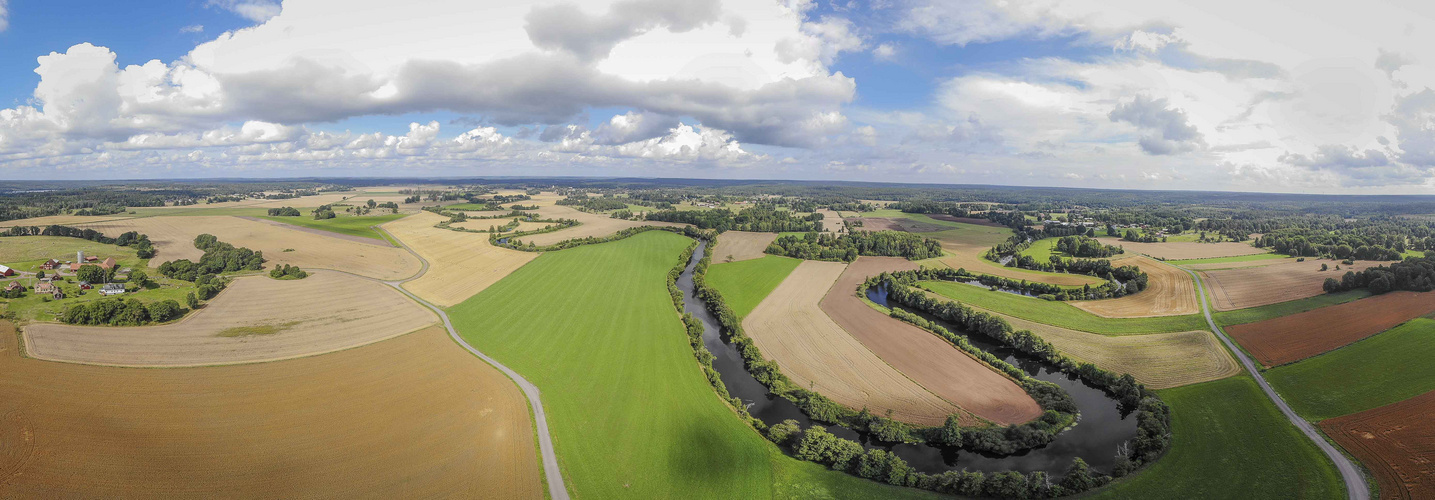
x=350, y=225
x=1060, y=314
x=1042, y=250
x=1231, y=442
x=1254, y=314
x=744, y=284
x=1387, y=368
x=632, y=416
x=1223, y=260
x=40, y=307
x=26, y=253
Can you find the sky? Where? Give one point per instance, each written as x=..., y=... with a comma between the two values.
x=1249, y=95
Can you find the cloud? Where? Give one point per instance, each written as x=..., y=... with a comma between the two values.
x=565, y=26
x=633, y=126
x=1414, y=119
x=4, y=15
x=885, y=51
x=960, y=22
x=253, y=10
x=1390, y=62
x=1168, y=130
x=193, y=28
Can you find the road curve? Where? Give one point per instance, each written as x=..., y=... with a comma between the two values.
x=1355, y=487
x=556, y=488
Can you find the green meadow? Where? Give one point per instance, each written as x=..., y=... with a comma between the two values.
x=1061, y=314
x=358, y=225
x=1387, y=368
x=743, y=284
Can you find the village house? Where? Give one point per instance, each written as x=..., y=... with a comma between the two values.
x=50, y=265
x=112, y=289
x=46, y=287
x=14, y=285
x=6, y=271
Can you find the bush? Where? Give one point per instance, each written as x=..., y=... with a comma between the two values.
x=164, y=310
x=284, y=212
x=287, y=271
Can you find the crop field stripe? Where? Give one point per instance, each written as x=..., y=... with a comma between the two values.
x=1395, y=442
x=1223, y=260
x=361, y=225
x=1170, y=292
x=1059, y=314
x=1230, y=442
x=1299, y=336
x=1244, y=287
x=744, y=284
x=1362, y=375
x=1261, y=313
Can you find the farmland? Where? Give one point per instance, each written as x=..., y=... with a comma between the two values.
x=325, y=312
x=1244, y=287
x=1231, y=442
x=1302, y=335
x=965, y=244
x=1185, y=250
x=1169, y=292
x=1363, y=375
x=422, y=417
x=1159, y=360
x=173, y=239
x=1262, y=313
x=1061, y=314
x=744, y=284
x=631, y=414
x=1255, y=257
x=1395, y=442
x=791, y=329
x=460, y=264
x=26, y=253
x=923, y=357
x=741, y=245
x=350, y=225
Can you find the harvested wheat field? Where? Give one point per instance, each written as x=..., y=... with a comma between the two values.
x=1159, y=360
x=173, y=238
x=927, y=359
x=461, y=264
x=595, y=225
x=790, y=329
x=831, y=220
x=1395, y=442
x=1214, y=266
x=255, y=319
x=1244, y=287
x=1288, y=339
x=1180, y=250
x=423, y=418
x=733, y=246
x=1169, y=292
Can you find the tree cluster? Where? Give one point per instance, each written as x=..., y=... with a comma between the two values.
x=121, y=312
x=756, y=219
x=1084, y=246
x=143, y=248
x=289, y=272
x=284, y=212
x=219, y=257
x=324, y=212
x=1413, y=274
x=847, y=247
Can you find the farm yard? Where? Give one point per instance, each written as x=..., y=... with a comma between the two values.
x=791, y=329
x=1299, y=336
x=1169, y=292
x=1244, y=287
x=422, y=417
x=928, y=360
x=733, y=246
x=173, y=239
x=460, y=264
x=254, y=319
x=1395, y=442
x=1360, y=377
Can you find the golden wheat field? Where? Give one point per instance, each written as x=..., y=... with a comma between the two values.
x=1169, y=292
x=460, y=264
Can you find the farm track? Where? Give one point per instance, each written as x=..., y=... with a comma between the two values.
x=1355, y=486
x=557, y=490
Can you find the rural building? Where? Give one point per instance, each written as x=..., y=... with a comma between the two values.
x=46, y=287
x=109, y=263
x=6, y=271
x=14, y=285
x=112, y=289
x=74, y=266
x=91, y=258
x=50, y=264
x=85, y=285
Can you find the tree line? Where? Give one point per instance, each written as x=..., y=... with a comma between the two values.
x=1085, y=246
x=284, y=212
x=121, y=312
x=847, y=247
x=1412, y=274
x=144, y=249
x=756, y=219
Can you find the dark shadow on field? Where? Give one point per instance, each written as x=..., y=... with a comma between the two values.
x=704, y=456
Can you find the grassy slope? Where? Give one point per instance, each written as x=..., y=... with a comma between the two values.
x=632, y=415
x=1231, y=442
x=1254, y=314
x=1222, y=260
x=1060, y=314
x=744, y=284
x=1387, y=368
x=350, y=225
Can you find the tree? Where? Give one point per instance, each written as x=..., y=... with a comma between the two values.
x=92, y=274
x=138, y=278
x=40, y=275
x=163, y=310
x=191, y=301
x=372, y=204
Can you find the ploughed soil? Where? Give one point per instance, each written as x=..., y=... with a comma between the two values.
x=1396, y=442
x=413, y=416
x=1244, y=287
x=927, y=359
x=1287, y=339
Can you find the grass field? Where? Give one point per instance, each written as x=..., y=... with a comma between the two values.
x=744, y=284
x=1043, y=249
x=1059, y=314
x=1262, y=313
x=26, y=253
x=631, y=414
x=1389, y=367
x=1231, y=442
x=40, y=307
x=350, y=225
x=1223, y=260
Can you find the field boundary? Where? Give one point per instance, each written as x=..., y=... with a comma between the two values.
x=1355, y=485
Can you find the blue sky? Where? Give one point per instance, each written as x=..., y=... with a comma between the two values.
x=1126, y=93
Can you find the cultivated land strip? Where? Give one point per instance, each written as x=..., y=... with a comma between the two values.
x=1355, y=486
x=557, y=490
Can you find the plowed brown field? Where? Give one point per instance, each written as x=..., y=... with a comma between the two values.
x=925, y=358
x=790, y=329
x=414, y=416
x=173, y=238
x=733, y=246
x=1244, y=287
x=1178, y=250
x=1298, y=336
x=1169, y=292
x=255, y=319
x=1396, y=442
x=461, y=264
